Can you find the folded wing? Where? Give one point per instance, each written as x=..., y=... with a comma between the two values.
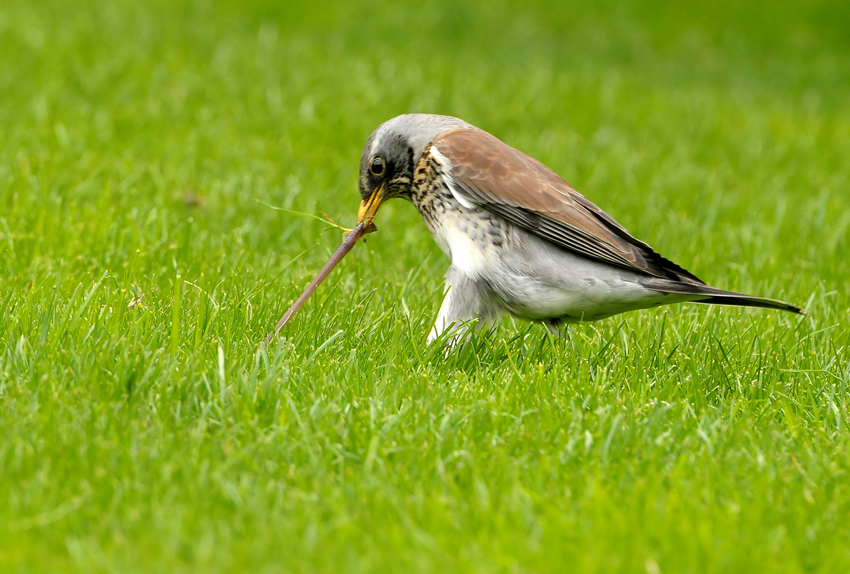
x=488, y=172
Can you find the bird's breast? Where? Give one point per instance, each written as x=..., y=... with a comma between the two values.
x=469, y=238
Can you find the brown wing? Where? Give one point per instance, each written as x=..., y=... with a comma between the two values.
x=520, y=189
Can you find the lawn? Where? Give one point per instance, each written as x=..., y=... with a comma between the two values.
x=144, y=429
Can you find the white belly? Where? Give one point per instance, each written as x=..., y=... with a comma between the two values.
x=534, y=279
x=579, y=291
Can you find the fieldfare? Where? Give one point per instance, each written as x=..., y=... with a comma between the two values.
x=521, y=240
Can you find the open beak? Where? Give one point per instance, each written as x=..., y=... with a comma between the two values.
x=369, y=207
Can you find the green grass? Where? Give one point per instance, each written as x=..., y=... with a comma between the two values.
x=142, y=429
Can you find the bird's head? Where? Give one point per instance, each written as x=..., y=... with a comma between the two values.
x=390, y=156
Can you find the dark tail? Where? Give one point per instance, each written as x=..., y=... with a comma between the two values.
x=750, y=301
x=715, y=296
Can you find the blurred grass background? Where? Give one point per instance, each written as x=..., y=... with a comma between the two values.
x=141, y=429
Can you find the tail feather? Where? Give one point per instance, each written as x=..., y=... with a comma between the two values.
x=715, y=296
x=750, y=301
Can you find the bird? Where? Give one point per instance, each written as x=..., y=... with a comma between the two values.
x=521, y=240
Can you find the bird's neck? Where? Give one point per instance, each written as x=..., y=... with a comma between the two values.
x=429, y=193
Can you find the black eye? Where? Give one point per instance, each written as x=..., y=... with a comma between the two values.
x=377, y=166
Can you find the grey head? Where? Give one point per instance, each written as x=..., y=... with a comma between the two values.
x=393, y=150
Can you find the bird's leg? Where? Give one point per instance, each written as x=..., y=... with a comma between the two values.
x=465, y=302
x=557, y=327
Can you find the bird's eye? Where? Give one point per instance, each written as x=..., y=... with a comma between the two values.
x=377, y=166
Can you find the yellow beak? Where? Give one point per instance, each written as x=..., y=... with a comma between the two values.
x=369, y=207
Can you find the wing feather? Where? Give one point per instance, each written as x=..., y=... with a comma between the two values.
x=488, y=172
